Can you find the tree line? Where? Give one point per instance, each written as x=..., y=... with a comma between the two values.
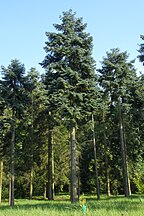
x=74, y=128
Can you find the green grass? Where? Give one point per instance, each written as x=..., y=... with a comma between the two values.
x=113, y=206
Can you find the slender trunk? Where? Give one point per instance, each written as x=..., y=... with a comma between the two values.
x=129, y=186
x=50, y=166
x=106, y=167
x=11, y=189
x=45, y=191
x=78, y=180
x=53, y=170
x=31, y=182
x=73, y=196
x=95, y=159
x=106, y=159
x=123, y=151
x=1, y=176
x=31, y=149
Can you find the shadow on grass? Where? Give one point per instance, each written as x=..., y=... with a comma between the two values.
x=119, y=203
x=40, y=204
x=62, y=203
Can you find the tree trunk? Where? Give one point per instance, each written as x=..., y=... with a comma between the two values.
x=73, y=195
x=45, y=191
x=95, y=159
x=106, y=167
x=129, y=186
x=31, y=149
x=50, y=166
x=11, y=189
x=78, y=190
x=53, y=192
x=123, y=151
x=1, y=176
x=31, y=182
x=106, y=159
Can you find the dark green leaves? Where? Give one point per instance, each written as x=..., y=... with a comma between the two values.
x=141, y=50
x=70, y=78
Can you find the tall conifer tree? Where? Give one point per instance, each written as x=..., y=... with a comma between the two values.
x=70, y=77
x=13, y=93
x=117, y=77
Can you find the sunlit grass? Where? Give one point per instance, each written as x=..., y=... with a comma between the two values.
x=113, y=206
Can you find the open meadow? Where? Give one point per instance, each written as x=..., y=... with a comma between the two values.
x=114, y=206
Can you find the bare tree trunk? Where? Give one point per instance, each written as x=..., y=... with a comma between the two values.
x=106, y=159
x=32, y=144
x=106, y=167
x=11, y=189
x=53, y=170
x=73, y=194
x=1, y=176
x=95, y=159
x=50, y=166
x=123, y=151
x=129, y=186
x=31, y=181
x=45, y=191
x=78, y=191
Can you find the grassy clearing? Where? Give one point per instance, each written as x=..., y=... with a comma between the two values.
x=114, y=206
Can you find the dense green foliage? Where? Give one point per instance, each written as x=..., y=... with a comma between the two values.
x=37, y=113
x=70, y=79
x=141, y=50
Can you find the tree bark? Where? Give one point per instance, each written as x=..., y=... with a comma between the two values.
x=31, y=149
x=95, y=159
x=1, y=176
x=11, y=189
x=106, y=167
x=45, y=191
x=50, y=166
x=73, y=195
x=106, y=159
x=123, y=151
x=78, y=190
x=31, y=182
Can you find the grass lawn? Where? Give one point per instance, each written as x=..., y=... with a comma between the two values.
x=113, y=206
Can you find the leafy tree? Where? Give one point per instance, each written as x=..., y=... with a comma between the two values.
x=13, y=93
x=139, y=175
x=70, y=77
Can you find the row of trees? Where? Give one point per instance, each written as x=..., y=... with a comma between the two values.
x=99, y=112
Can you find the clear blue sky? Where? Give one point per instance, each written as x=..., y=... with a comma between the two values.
x=111, y=23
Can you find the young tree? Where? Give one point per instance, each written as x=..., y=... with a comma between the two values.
x=70, y=77
x=13, y=93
